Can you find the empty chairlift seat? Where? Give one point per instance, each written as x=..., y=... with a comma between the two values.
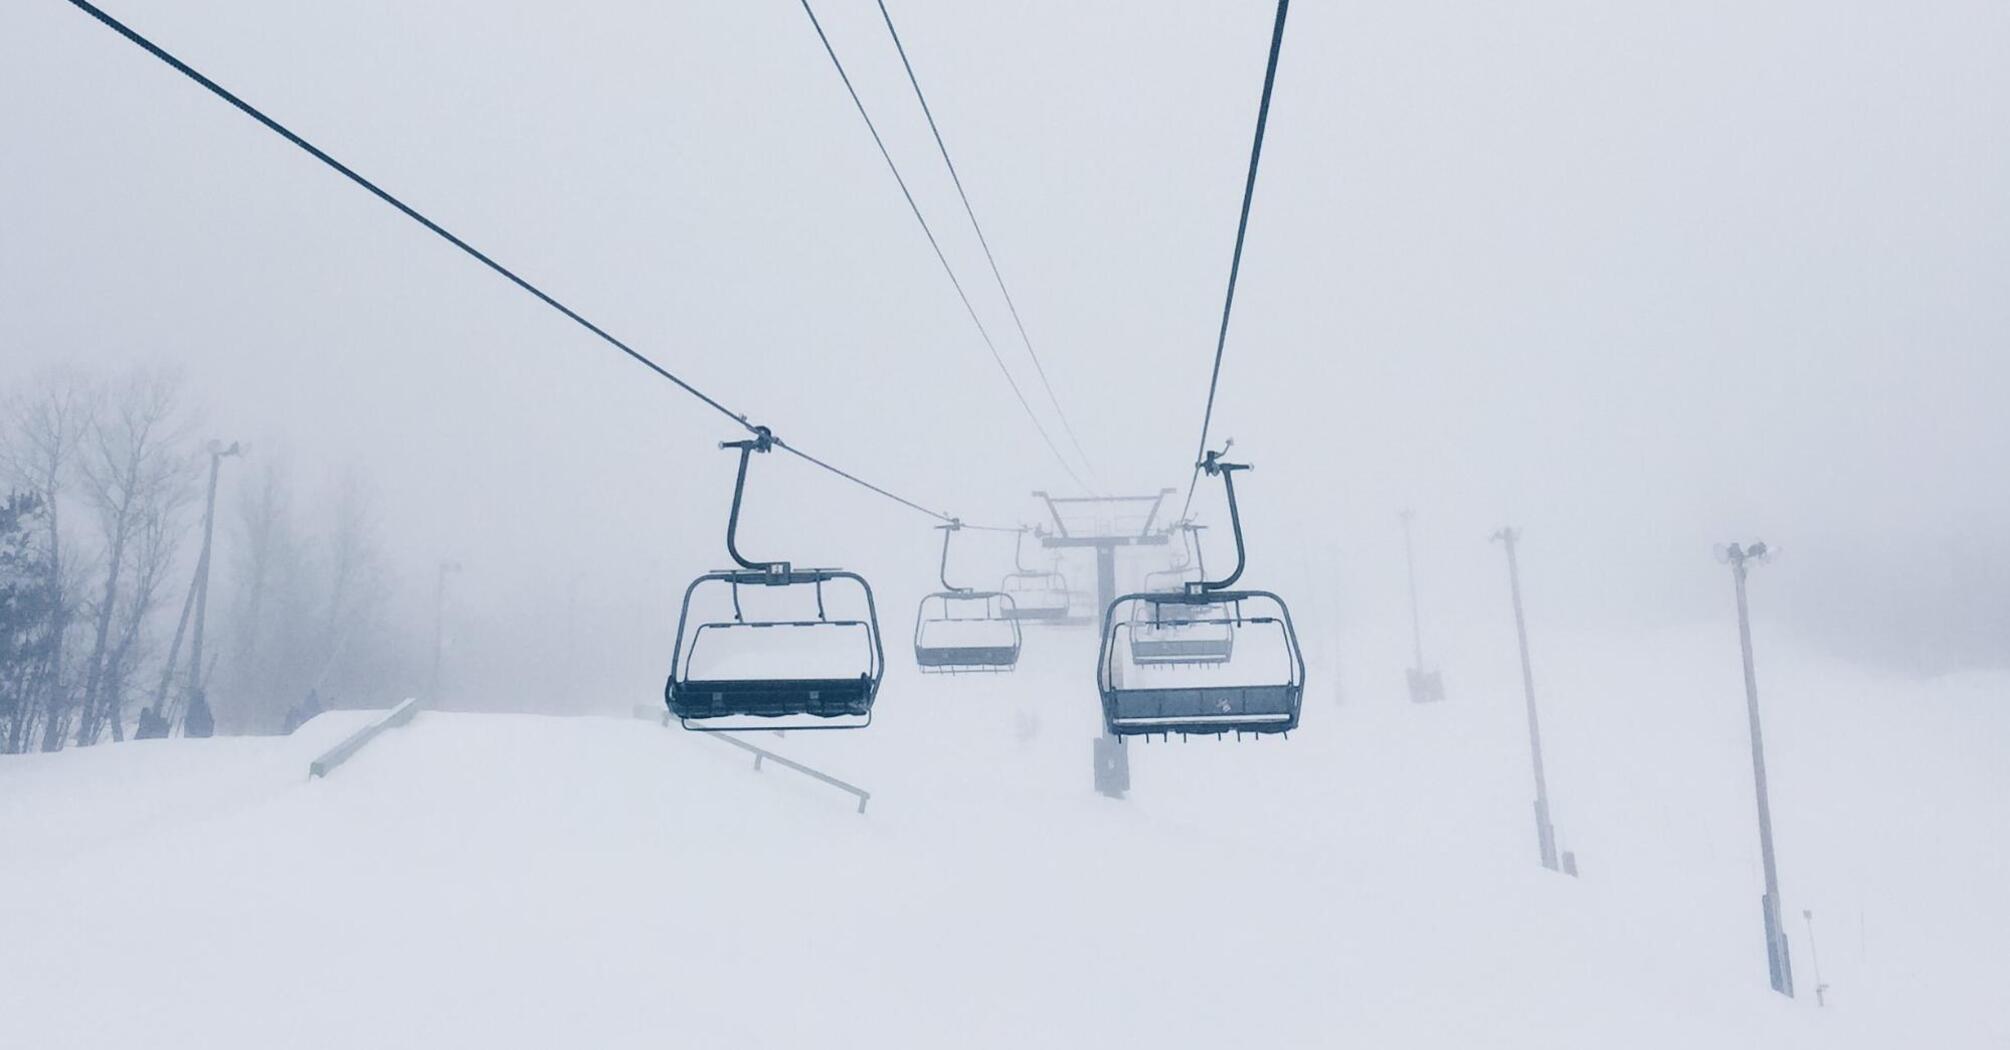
x=1036, y=596
x=760, y=647
x=1177, y=633
x=1204, y=659
x=1246, y=676
x=747, y=669
x=966, y=631
x=959, y=629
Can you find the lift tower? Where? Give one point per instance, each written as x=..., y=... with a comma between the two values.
x=1104, y=524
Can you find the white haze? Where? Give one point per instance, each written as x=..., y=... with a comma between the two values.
x=1637, y=279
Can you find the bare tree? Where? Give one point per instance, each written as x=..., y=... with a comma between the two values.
x=309, y=614
x=270, y=615
x=137, y=477
x=356, y=585
x=154, y=549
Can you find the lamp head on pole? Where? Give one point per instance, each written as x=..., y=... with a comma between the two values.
x=1733, y=554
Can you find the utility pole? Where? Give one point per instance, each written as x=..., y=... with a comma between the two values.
x=1425, y=686
x=1779, y=962
x=1545, y=833
x=197, y=720
x=154, y=718
x=439, y=629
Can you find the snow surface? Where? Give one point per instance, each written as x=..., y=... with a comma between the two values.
x=505, y=880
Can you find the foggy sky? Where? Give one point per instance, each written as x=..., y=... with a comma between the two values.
x=1637, y=278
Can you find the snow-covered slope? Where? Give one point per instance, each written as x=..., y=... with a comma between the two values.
x=525, y=881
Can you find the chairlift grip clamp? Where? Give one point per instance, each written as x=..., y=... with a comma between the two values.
x=762, y=441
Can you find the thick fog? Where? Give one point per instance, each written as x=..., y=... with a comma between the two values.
x=1637, y=280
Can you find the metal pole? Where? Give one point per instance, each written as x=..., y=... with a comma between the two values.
x=1545, y=833
x=198, y=720
x=1779, y=963
x=439, y=630
x=1112, y=756
x=1106, y=577
x=1416, y=620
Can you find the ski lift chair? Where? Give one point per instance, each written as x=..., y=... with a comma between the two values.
x=773, y=671
x=1036, y=597
x=1186, y=567
x=1259, y=688
x=961, y=630
x=1178, y=632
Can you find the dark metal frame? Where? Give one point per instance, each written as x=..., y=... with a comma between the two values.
x=1105, y=544
x=1202, y=709
x=1145, y=536
x=1190, y=650
x=696, y=703
x=1189, y=561
x=1039, y=614
x=1209, y=710
x=964, y=659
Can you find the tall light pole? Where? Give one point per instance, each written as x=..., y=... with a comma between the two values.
x=439, y=629
x=1425, y=686
x=1779, y=962
x=1545, y=833
x=197, y=720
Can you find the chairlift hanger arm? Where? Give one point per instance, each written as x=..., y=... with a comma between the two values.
x=1019, y=552
x=1158, y=502
x=1196, y=555
x=762, y=441
x=942, y=572
x=1215, y=466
